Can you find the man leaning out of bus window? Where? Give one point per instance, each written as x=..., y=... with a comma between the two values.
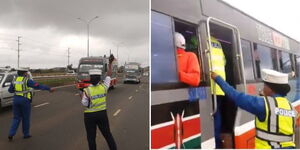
x=275, y=116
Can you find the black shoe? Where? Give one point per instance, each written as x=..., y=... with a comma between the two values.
x=10, y=138
x=27, y=137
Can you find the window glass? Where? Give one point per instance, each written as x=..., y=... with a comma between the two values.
x=9, y=78
x=265, y=58
x=1, y=77
x=87, y=67
x=247, y=57
x=285, y=62
x=163, y=58
x=297, y=65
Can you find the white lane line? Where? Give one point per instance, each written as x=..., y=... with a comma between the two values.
x=41, y=105
x=117, y=112
x=77, y=94
x=136, y=90
x=130, y=97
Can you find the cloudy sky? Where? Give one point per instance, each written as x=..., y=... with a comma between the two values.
x=283, y=15
x=49, y=27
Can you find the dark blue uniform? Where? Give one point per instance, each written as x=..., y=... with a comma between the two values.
x=22, y=109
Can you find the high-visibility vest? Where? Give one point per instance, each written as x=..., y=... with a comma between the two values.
x=97, y=98
x=277, y=130
x=21, y=88
x=218, y=64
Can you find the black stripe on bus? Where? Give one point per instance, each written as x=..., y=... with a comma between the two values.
x=161, y=113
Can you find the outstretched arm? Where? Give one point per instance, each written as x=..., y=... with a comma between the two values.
x=252, y=104
x=38, y=86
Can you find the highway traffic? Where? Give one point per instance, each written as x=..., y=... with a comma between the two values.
x=57, y=120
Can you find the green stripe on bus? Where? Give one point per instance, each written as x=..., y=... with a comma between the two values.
x=194, y=143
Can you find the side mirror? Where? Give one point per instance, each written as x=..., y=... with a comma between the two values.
x=6, y=84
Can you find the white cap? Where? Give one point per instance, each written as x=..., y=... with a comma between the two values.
x=273, y=76
x=179, y=40
x=23, y=69
x=95, y=72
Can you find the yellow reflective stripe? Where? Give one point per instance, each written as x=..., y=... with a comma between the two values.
x=284, y=120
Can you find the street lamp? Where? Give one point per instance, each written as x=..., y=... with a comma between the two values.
x=88, y=31
x=118, y=45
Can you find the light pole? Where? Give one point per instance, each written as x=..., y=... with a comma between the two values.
x=88, y=32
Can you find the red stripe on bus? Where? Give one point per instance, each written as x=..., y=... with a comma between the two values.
x=165, y=135
x=246, y=140
x=298, y=120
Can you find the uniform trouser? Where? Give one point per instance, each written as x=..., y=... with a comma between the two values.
x=21, y=112
x=218, y=122
x=100, y=119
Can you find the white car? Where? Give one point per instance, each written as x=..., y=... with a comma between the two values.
x=5, y=80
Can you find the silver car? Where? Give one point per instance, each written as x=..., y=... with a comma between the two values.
x=5, y=81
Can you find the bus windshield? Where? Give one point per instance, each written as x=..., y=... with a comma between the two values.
x=87, y=67
x=131, y=67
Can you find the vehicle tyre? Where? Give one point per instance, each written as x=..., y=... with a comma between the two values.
x=124, y=82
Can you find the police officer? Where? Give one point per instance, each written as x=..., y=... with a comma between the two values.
x=21, y=102
x=275, y=116
x=94, y=99
x=218, y=63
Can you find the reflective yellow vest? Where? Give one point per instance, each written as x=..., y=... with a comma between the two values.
x=277, y=130
x=218, y=64
x=97, y=97
x=21, y=88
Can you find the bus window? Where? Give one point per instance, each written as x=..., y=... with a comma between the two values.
x=265, y=58
x=247, y=56
x=189, y=32
x=163, y=58
x=285, y=62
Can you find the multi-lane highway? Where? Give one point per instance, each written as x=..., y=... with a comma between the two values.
x=57, y=120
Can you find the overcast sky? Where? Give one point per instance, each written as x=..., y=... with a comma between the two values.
x=48, y=27
x=283, y=15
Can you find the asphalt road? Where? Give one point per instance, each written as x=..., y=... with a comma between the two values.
x=57, y=120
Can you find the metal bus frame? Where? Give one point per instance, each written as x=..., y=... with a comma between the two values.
x=203, y=13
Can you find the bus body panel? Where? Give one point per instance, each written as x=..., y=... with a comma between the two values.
x=252, y=30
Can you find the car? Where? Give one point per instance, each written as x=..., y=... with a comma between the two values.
x=6, y=78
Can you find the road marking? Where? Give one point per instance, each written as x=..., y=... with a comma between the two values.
x=77, y=94
x=117, y=112
x=41, y=105
x=136, y=90
x=130, y=98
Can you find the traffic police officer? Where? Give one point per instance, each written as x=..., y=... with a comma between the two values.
x=218, y=63
x=21, y=102
x=275, y=116
x=94, y=99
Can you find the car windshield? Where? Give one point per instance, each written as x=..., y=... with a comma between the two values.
x=1, y=77
x=87, y=67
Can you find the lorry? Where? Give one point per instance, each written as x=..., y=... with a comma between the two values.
x=95, y=62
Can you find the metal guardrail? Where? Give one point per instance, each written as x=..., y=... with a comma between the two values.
x=53, y=76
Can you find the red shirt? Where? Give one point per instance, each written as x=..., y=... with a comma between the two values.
x=188, y=67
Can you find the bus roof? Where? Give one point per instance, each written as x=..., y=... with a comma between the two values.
x=92, y=59
x=133, y=63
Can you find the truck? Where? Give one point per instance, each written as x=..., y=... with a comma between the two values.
x=132, y=72
x=95, y=62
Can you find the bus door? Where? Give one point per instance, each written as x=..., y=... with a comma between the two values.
x=226, y=37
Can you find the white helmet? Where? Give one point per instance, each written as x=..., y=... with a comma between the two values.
x=179, y=40
x=95, y=72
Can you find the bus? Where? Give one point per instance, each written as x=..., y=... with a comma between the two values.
x=132, y=72
x=95, y=62
x=248, y=44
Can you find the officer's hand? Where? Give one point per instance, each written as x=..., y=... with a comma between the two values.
x=52, y=90
x=213, y=75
